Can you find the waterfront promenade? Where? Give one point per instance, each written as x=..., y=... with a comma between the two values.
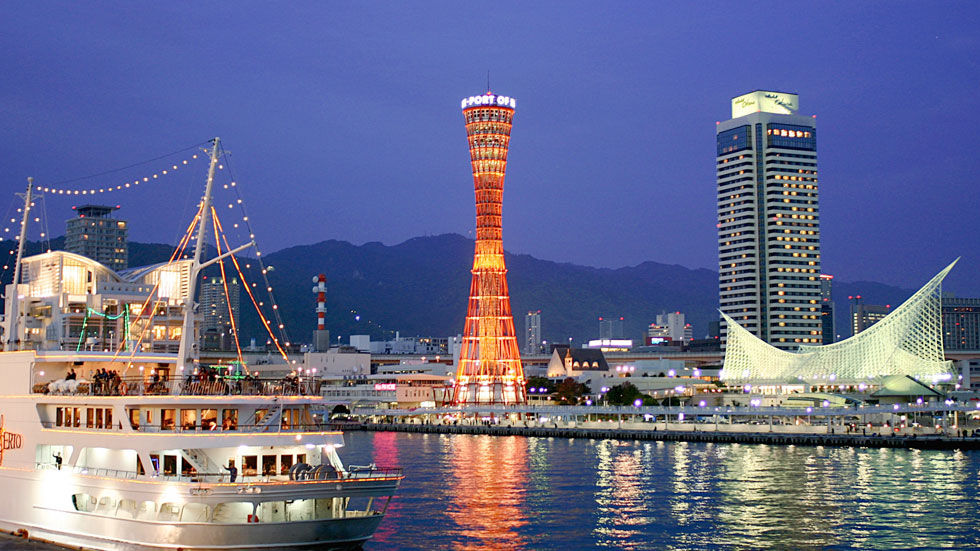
x=925, y=442
x=921, y=426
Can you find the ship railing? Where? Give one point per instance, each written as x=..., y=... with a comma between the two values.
x=224, y=477
x=189, y=386
x=203, y=428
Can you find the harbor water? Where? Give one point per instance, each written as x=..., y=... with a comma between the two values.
x=513, y=492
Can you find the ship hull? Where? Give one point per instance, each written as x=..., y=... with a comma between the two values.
x=40, y=503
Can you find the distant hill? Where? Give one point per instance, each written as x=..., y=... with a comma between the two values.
x=420, y=287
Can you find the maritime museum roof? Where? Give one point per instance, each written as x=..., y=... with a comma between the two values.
x=908, y=342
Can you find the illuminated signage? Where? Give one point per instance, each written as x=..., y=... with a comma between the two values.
x=384, y=386
x=597, y=343
x=765, y=102
x=489, y=100
x=8, y=440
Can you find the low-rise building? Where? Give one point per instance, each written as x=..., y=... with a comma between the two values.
x=405, y=390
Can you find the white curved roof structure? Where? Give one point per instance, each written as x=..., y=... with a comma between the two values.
x=908, y=341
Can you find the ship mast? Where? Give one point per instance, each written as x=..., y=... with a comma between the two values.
x=187, y=335
x=13, y=308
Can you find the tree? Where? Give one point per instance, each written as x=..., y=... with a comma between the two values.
x=570, y=392
x=624, y=395
x=540, y=382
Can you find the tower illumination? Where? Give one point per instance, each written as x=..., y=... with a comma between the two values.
x=490, y=369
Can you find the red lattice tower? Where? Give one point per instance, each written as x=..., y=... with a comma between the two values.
x=490, y=369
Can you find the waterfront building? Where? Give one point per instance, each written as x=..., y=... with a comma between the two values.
x=769, y=219
x=490, y=368
x=71, y=302
x=99, y=236
x=669, y=327
x=864, y=315
x=392, y=390
x=572, y=362
x=908, y=341
x=434, y=346
x=532, y=332
x=220, y=311
x=961, y=323
x=338, y=361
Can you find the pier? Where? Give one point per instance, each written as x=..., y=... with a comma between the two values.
x=839, y=440
x=938, y=426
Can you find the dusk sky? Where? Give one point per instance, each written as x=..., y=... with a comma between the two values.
x=343, y=119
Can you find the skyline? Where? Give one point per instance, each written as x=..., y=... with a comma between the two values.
x=613, y=161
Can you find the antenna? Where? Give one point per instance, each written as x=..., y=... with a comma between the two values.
x=488, y=81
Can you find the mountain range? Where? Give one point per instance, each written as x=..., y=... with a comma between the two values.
x=420, y=287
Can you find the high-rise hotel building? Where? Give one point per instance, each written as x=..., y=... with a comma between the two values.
x=769, y=220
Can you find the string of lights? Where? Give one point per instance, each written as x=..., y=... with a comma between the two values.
x=283, y=334
x=139, y=323
x=121, y=186
x=256, y=303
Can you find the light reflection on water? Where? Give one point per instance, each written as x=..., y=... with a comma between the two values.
x=482, y=492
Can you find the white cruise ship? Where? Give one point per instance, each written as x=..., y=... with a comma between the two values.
x=131, y=443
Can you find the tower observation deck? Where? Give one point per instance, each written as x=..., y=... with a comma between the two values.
x=490, y=369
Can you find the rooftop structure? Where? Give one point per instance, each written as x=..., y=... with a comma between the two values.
x=908, y=341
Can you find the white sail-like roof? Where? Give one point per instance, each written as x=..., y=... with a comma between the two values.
x=908, y=341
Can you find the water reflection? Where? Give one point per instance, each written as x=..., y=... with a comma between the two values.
x=621, y=504
x=487, y=484
x=481, y=492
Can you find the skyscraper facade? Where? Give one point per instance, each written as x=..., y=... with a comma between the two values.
x=490, y=368
x=532, y=332
x=961, y=323
x=828, y=327
x=216, y=325
x=864, y=315
x=97, y=235
x=769, y=219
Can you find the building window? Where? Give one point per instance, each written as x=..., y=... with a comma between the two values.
x=788, y=136
x=734, y=140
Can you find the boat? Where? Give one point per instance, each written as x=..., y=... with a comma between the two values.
x=134, y=444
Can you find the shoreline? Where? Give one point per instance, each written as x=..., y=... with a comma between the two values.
x=771, y=438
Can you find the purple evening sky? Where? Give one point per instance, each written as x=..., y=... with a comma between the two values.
x=343, y=118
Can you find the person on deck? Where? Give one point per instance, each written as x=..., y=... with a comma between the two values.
x=232, y=471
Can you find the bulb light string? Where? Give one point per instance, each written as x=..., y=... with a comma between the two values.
x=122, y=186
x=61, y=188
x=133, y=165
x=248, y=289
x=57, y=189
x=224, y=282
x=283, y=334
